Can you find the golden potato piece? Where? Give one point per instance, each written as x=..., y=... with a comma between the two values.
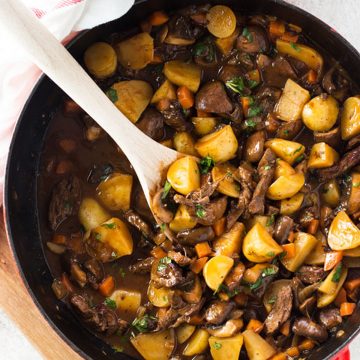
x=286, y=149
x=320, y=113
x=330, y=194
x=354, y=199
x=220, y=145
x=226, y=44
x=226, y=348
x=127, y=300
x=115, y=191
x=133, y=97
x=258, y=245
x=198, y=343
x=100, y=59
x=182, y=220
x=321, y=156
x=204, y=125
x=135, y=53
x=283, y=169
x=184, y=332
x=184, y=143
x=228, y=186
x=216, y=269
x=165, y=91
x=286, y=186
x=256, y=347
x=292, y=205
x=229, y=243
x=350, y=118
x=317, y=255
x=221, y=21
x=160, y=297
x=92, y=214
x=343, y=233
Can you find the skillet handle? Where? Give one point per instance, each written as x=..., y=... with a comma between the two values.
x=343, y=355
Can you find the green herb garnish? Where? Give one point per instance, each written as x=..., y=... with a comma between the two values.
x=112, y=95
x=217, y=346
x=167, y=187
x=337, y=273
x=286, y=132
x=200, y=211
x=163, y=227
x=142, y=324
x=117, y=348
x=206, y=164
x=297, y=150
x=254, y=111
x=109, y=226
x=236, y=84
x=247, y=34
x=267, y=167
x=250, y=123
x=163, y=263
x=110, y=303
x=256, y=284
x=300, y=158
x=97, y=236
x=252, y=83
x=269, y=271
x=122, y=272
x=295, y=47
x=270, y=221
x=356, y=185
x=270, y=254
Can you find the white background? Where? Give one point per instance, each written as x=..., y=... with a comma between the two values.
x=342, y=15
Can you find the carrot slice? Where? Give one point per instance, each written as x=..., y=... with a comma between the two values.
x=353, y=284
x=276, y=28
x=332, y=258
x=203, y=249
x=312, y=76
x=347, y=308
x=293, y=351
x=158, y=18
x=107, y=286
x=198, y=265
x=255, y=325
x=289, y=37
x=289, y=250
x=306, y=344
x=157, y=252
x=313, y=226
x=245, y=102
x=219, y=226
x=185, y=97
x=279, y=356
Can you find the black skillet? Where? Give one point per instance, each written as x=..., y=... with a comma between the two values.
x=21, y=215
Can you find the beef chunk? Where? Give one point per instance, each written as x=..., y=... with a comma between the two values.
x=65, y=201
x=288, y=130
x=195, y=236
x=169, y=275
x=348, y=161
x=283, y=227
x=330, y=318
x=142, y=266
x=266, y=170
x=179, y=258
x=175, y=118
x=152, y=124
x=309, y=329
x=94, y=272
x=331, y=137
x=218, y=311
x=229, y=72
x=253, y=40
x=336, y=83
x=281, y=310
x=135, y=219
x=310, y=274
x=212, y=98
x=212, y=212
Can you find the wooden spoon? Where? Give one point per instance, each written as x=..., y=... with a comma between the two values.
x=148, y=157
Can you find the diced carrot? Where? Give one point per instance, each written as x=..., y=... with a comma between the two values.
x=289, y=37
x=340, y=297
x=332, y=258
x=223, y=296
x=279, y=356
x=71, y=107
x=203, y=249
x=276, y=28
x=201, y=113
x=196, y=319
x=313, y=226
x=255, y=325
x=353, y=284
x=156, y=59
x=291, y=236
x=59, y=239
x=241, y=299
x=185, y=97
x=157, y=252
x=158, y=18
x=63, y=167
x=145, y=26
x=254, y=75
x=306, y=344
x=68, y=145
x=67, y=283
x=163, y=104
x=347, y=308
x=293, y=351
x=285, y=328
x=312, y=76
x=245, y=102
x=198, y=265
x=289, y=250
x=219, y=226
x=107, y=286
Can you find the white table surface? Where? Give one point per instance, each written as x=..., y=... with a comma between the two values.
x=342, y=15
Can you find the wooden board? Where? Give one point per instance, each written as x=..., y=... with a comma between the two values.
x=17, y=303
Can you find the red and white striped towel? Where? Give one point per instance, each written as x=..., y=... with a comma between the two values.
x=18, y=76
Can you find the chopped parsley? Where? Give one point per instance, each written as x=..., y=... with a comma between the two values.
x=254, y=111
x=270, y=254
x=163, y=263
x=356, y=185
x=166, y=190
x=227, y=291
x=110, y=303
x=117, y=348
x=142, y=324
x=337, y=273
x=267, y=167
x=206, y=164
x=200, y=211
x=200, y=49
x=205, y=50
x=300, y=158
x=97, y=236
x=272, y=300
x=256, y=284
x=109, y=226
x=122, y=272
x=163, y=227
x=270, y=221
x=217, y=346
x=266, y=272
x=286, y=132
x=112, y=95
x=295, y=47
x=236, y=84
x=269, y=271
x=247, y=34
x=298, y=149
x=282, y=255
x=250, y=123
x=252, y=83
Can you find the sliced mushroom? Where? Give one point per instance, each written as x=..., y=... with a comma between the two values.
x=163, y=214
x=195, y=236
x=230, y=328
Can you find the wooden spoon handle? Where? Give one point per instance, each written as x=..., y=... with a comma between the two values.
x=146, y=155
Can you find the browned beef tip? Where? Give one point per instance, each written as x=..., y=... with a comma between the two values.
x=175, y=118
x=229, y=72
x=336, y=83
x=296, y=286
x=267, y=97
x=349, y=160
x=352, y=143
x=331, y=137
x=233, y=279
x=288, y=130
x=266, y=170
x=195, y=236
x=169, y=275
x=101, y=318
x=283, y=227
x=218, y=311
x=275, y=72
x=253, y=39
x=152, y=124
x=179, y=258
x=307, y=306
x=330, y=318
x=281, y=310
x=309, y=329
x=213, y=211
x=310, y=274
x=311, y=211
x=254, y=147
x=212, y=98
x=94, y=272
x=135, y=219
x=142, y=266
x=181, y=27
x=65, y=201
x=98, y=249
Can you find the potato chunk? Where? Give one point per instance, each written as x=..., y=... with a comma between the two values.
x=221, y=21
x=198, y=343
x=354, y=199
x=287, y=150
x=330, y=194
x=165, y=91
x=225, y=45
x=220, y=145
x=320, y=113
x=216, y=269
x=350, y=118
x=115, y=191
x=292, y=101
x=92, y=214
x=182, y=220
x=321, y=156
x=127, y=300
x=184, y=175
x=133, y=97
x=292, y=205
x=229, y=243
x=183, y=332
x=256, y=347
x=225, y=348
x=343, y=233
x=286, y=186
x=184, y=143
x=259, y=246
x=204, y=125
x=228, y=186
x=283, y=168
x=135, y=53
x=160, y=297
x=183, y=74
x=100, y=59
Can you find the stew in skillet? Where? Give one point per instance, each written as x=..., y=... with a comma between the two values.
x=256, y=252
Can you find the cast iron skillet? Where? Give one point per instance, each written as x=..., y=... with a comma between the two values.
x=22, y=217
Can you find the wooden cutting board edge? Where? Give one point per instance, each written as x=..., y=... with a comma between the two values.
x=16, y=301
